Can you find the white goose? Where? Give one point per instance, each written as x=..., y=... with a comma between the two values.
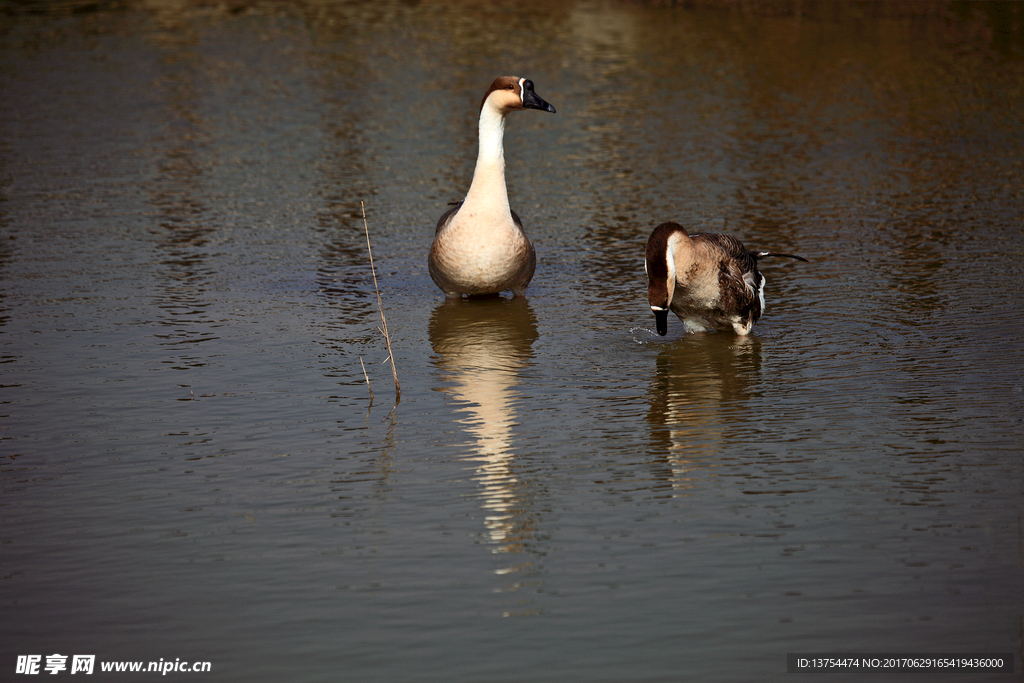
x=479, y=246
x=705, y=279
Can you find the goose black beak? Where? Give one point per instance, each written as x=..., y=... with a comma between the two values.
x=661, y=322
x=532, y=100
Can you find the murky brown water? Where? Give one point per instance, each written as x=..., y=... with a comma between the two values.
x=189, y=462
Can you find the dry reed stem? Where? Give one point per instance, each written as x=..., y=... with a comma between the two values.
x=367, y=380
x=383, y=323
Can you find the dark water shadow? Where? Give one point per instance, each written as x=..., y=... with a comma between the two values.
x=183, y=224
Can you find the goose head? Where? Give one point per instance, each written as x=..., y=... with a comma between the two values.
x=661, y=271
x=509, y=93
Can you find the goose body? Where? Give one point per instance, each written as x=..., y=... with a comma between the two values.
x=479, y=246
x=708, y=280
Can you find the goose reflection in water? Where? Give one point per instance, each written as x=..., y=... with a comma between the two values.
x=480, y=347
x=701, y=382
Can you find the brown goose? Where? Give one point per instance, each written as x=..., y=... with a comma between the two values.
x=707, y=280
x=479, y=246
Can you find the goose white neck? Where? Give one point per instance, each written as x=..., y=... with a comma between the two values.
x=489, y=176
x=492, y=135
x=670, y=262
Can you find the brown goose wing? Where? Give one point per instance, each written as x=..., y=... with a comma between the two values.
x=738, y=278
x=731, y=248
x=515, y=219
x=447, y=216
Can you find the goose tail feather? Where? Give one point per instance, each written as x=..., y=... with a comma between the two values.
x=762, y=254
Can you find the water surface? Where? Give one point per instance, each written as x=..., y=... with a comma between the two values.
x=190, y=463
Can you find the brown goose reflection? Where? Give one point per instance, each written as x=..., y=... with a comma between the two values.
x=480, y=347
x=700, y=383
